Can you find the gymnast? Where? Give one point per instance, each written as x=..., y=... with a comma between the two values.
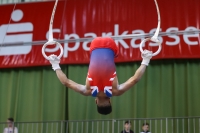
x=101, y=80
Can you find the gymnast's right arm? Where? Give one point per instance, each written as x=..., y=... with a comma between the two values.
x=146, y=55
x=63, y=78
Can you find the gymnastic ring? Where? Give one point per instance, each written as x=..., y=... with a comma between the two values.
x=50, y=43
x=148, y=39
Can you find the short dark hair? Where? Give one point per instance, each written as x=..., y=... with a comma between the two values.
x=127, y=122
x=11, y=119
x=104, y=110
x=145, y=124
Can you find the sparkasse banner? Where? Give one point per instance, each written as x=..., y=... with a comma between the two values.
x=27, y=22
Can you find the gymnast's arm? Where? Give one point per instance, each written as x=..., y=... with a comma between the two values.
x=71, y=84
x=120, y=89
x=82, y=89
x=130, y=82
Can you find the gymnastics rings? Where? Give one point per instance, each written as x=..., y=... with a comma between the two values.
x=155, y=36
x=50, y=43
x=50, y=40
x=149, y=39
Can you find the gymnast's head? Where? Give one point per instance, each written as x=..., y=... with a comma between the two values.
x=103, y=105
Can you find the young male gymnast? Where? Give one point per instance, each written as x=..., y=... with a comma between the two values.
x=102, y=81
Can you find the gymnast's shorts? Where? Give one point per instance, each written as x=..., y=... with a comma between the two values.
x=104, y=42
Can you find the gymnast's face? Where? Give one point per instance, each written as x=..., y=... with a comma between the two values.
x=103, y=101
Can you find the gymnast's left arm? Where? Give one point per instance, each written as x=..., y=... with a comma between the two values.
x=63, y=78
x=146, y=55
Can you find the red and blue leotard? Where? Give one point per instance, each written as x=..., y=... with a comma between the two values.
x=102, y=69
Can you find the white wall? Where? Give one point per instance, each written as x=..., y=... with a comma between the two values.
x=16, y=1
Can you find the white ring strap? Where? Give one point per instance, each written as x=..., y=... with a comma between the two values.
x=155, y=36
x=50, y=40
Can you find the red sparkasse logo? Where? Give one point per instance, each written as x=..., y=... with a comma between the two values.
x=78, y=21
